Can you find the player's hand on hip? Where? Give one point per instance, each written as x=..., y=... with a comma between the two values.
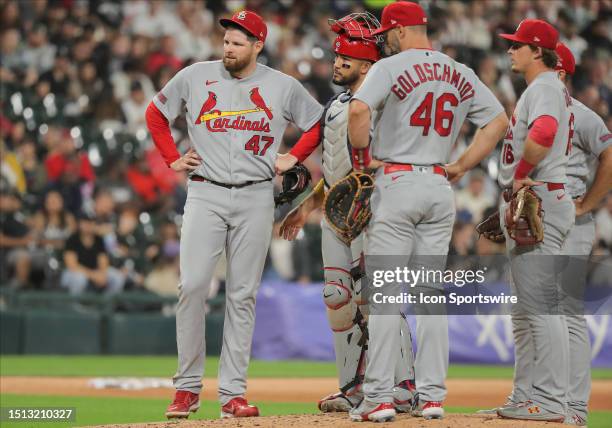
x=292, y=224
x=524, y=182
x=580, y=208
x=454, y=172
x=190, y=161
x=284, y=162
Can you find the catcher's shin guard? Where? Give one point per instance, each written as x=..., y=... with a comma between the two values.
x=348, y=326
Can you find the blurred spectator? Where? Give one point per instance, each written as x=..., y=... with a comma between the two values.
x=34, y=171
x=142, y=181
x=53, y=225
x=106, y=218
x=134, y=108
x=67, y=164
x=129, y=256
x=12, y=57
x=39, y=54
x=473, y=197
x=11, y=170
x=164, y=278
x=87, y=262
x=164, y=56
x=15, y=239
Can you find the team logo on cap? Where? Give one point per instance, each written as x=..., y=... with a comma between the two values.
x=241, y=15
x=536, y=39
x=393, y=21
x=337, y=45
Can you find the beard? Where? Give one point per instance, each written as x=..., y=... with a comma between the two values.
x=345, y=80
x=234, y=65
x=390, y=50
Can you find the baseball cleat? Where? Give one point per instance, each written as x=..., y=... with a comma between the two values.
x=238, y=408
x=374, y=412
x=404, y=395
x=494, y=410
x=337, y=402
x=529, y=411
x=429, y=410
x=184, y=403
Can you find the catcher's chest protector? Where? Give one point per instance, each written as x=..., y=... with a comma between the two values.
x=336, y=157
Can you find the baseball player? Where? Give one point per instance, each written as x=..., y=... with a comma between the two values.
x=535, y=154
x=590, y=140
x=356, y=51
x=422, y=98
x=237, y=111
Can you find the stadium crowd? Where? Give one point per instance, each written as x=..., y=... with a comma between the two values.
x=86, y=201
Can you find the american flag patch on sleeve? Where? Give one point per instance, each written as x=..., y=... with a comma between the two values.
x=162, y=98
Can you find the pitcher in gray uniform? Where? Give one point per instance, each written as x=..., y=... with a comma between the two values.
x=356, y=51
x=421, y=97
x=535, y=154
x=237, y=111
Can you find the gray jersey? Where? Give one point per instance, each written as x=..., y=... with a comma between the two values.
x=236, y=125
x=545, y=96
x=423, y=98
x=591, y=137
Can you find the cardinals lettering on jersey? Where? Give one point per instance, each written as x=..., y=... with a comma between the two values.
x=219, y=121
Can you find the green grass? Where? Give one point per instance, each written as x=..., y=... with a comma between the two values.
x=115, y=410
x=107, y=410
x=154, y=366
x=54, y=365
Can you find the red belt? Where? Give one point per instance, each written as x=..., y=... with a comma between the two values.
x=551, y=187
x=390, y=168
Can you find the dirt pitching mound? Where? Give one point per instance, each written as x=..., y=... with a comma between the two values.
x=340, y=420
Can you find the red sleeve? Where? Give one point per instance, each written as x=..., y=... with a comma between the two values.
x=543, y=130
x=307, y=143
x=159, y=127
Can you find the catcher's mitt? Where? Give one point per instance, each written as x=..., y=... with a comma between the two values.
x=295, y=180
x=491, y=229
x=347, y=205
x=524, y=217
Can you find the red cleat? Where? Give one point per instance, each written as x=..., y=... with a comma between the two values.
x=184, y=403
x=238, y=408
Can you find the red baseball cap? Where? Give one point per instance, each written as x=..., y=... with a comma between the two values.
x=565, y=59
x=534, y=32
x=401, y=14
x=356, y=48
x=250, y=21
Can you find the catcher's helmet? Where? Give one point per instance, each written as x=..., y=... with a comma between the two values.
x=355, y=37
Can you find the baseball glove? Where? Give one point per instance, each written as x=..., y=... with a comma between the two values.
x=524, y=217
x=347, y=205
x=295, y=180
x=491, y=229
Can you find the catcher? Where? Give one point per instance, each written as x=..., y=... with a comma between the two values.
x=345, y=195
